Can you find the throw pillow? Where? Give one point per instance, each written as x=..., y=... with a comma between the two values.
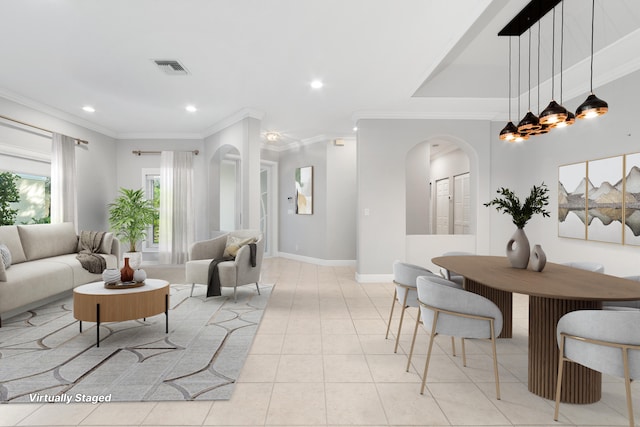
x=6, y=255
x=235, y=243
x=107, y=241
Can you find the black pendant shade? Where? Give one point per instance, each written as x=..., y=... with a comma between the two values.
x=592, y=107
x=554, y=113
x=509, y=132
x=529, y=123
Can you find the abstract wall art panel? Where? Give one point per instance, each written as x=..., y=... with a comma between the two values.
x=572, y=201
x=605, y=194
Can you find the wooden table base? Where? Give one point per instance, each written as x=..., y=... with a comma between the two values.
x=503, y=299
x=579, y=384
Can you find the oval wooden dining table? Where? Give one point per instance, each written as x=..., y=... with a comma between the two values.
x=555, y=291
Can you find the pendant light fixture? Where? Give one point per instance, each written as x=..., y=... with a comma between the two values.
x=529, y=122
x=519, y=136
x=571, y=118
x=554, y=113
x=592, y=106
x=543, y=127
x=509, y=132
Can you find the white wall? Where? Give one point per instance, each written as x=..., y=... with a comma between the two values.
x=417, y=175
x=519, y=166
x=382, y=149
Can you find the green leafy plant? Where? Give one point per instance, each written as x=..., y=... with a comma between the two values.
x=130, y=215
x=8, y=194
x=509, y=203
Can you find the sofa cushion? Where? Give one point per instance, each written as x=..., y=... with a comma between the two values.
x=9, y=236
x=6, y=255
x=3, y=273
x=81, y=275
x=47, y=240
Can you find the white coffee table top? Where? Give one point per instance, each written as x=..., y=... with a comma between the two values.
x=97, y=288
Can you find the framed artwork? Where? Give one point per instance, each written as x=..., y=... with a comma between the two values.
x=632, y=199
x=572, y=200
x=304, y=190
x=605, y=194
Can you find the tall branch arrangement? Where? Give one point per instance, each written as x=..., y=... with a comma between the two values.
x=509, y=203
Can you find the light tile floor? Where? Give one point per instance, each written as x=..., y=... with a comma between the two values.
x=320, y=358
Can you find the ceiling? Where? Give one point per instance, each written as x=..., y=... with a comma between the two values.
x=377, y=58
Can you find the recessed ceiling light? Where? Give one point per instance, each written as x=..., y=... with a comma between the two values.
x=355, y=128
x=89, y=109
x=317, y=84
x=191, y=108
x=272, y=136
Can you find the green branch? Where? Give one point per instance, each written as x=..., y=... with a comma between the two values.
x=510, y=204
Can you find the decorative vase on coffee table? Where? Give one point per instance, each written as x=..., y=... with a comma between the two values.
x=126, y=273
x=518, y=250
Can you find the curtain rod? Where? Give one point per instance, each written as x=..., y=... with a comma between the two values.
x=141, y=152
x=78, y=140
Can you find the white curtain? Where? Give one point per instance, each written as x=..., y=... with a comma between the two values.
x=177, y=227
x=64, y=207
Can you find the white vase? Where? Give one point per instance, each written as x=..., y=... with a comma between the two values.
x=111, y=275
x=518, y=249
x=135, y=259
x=538, y=258
x=139, y=275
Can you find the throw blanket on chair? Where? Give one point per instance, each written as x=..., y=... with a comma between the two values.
x=213, y=276
x=90, y=243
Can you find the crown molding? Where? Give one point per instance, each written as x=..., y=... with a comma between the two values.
x=54, y=112
x=232, y=119
x=152, y=135
x=483, y=114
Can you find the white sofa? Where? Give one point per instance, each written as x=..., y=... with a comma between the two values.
x=44, y=265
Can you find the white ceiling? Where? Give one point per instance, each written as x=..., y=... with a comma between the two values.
x=377, y=58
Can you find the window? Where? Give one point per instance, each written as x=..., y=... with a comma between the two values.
x=34, y=205
x=152, y=190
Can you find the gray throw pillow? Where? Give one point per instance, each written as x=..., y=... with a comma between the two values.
x=6, y=255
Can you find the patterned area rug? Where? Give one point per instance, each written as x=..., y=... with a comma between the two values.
x=44, y=357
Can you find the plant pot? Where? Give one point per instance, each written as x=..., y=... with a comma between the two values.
x=135, y=259
x=518, y=250
x=538, y=258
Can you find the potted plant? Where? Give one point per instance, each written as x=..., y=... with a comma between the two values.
x=520, y=214
x=129, y=216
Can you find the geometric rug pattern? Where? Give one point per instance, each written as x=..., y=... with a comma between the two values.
x=45, y=358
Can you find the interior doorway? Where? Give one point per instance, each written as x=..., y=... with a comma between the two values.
x=443, y=200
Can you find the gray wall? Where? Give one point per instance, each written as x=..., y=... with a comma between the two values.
x=95, y=163
x=519, y=166
x=382, y=149
x=330, y=232
x=417, y=177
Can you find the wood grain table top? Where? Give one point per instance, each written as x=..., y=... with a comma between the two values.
x=555, y=281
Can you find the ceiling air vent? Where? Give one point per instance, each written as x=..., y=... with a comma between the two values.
x=171, y=67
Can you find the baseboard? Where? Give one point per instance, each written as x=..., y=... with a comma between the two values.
x=318, y=261
x=374, y=278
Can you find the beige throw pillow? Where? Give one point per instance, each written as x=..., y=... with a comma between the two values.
x=234, y=244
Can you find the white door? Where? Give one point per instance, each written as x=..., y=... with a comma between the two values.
x=461, y=205
x=268, y=206
x=442, y=206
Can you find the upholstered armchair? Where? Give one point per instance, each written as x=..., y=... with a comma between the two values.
x=233, y=273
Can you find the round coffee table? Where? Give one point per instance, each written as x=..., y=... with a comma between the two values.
x=95, y=303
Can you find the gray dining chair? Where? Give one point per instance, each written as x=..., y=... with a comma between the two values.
x=449, y=310
x=404, y=279
x=623, y=305
x=586, y=265
x=605, y=341
x=452, y=275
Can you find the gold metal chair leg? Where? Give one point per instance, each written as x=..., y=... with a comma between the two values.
x=404, y=308
x=495, y=359
x=426, y=363
x=559, y=383
x=393, y=304
x=464, y=353
x=413, y=341
x=627, y=385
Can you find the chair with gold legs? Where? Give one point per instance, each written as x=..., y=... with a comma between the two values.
x=602, y=340
x=404, y=278
x=448, y=310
